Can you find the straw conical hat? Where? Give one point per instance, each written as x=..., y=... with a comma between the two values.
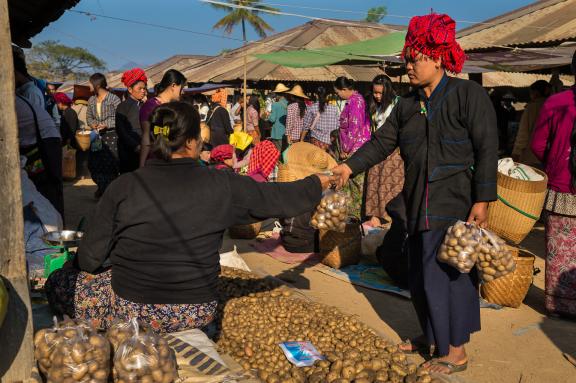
x=304, y=159
x=298, y=92
x=281, y=88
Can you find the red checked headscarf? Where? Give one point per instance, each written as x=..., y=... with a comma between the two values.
x=132, y=76
x=263, y=159
x=62, y=98
x=221, y=153
x=435, y=36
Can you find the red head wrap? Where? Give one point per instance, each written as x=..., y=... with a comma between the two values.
x=221, y=153
x=435, y=36
x=62, y=98
x=132, y=76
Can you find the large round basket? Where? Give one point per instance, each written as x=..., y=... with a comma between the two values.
x=245, y=231
x=518, y=207
x=341, y=249
x=205, y=132
x=511, y=289
x=285, y=174
x=83, y=139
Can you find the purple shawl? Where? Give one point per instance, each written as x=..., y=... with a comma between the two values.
x=354, y=124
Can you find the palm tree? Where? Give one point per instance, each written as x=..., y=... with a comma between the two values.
x=239, y=15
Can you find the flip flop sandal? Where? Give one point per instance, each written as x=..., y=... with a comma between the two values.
x=415, y=347
x=452, y=368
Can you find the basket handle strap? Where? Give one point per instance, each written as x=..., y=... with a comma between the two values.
x=501, y=199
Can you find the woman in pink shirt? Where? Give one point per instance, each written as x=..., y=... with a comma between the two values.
x=554, y=143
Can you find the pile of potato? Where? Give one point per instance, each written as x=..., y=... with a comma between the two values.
x=332, y=213
x=467, y=245
x=145, y=358
x=255, y=322
x=84, y=359
x=494, y=261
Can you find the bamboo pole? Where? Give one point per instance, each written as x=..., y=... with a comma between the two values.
x=16, y=349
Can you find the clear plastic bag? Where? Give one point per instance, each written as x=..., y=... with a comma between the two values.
x=459, y=246
x=332, y=213
x=466, y=245
x=145, y=358
x=494, y=258
x=47, y=340
x=121, y=331
x=83, y=359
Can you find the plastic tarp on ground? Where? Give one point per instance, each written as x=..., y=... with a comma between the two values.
x=367, y=50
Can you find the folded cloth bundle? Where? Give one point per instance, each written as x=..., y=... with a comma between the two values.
x=518, y=171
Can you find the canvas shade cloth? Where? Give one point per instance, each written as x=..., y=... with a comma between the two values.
x=367, y=50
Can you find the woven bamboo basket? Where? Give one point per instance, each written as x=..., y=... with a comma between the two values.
x=68, y=163
x=285, y=174
x=245, y=231
x=238, y=127
x=518, y=207
x=341, y=249
x=205, y=132
x=511, y=289
x=83, y=140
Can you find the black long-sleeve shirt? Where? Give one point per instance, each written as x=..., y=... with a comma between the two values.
x=449, y=148
x=161, y=227
x=129, y=134
x=220, y=126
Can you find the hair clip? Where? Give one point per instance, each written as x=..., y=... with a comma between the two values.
x=163, y=130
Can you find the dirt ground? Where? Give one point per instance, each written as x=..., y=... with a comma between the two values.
x=515, y=345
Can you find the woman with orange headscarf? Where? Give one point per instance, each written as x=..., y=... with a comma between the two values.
x=128, y=119
x=447, y=134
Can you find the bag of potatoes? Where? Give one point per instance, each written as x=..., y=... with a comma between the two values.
x=84, y=358
x=494, y=258
x=332, y=213
x=459, y=246
x=466, y=245
x=121, y=331
x=145, y=358
x=46, y=340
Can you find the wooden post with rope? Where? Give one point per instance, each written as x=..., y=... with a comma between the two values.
x=16, y=348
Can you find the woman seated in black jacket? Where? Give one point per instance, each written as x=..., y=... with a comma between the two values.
x=151, y=250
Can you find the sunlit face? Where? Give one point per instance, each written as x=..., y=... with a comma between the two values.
x=50, y=89
x=138, y=90
x=421, y=69
x=344, y=94
x=377, y=91
x=176, y=92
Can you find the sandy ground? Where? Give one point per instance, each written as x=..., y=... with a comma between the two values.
x=515, y=345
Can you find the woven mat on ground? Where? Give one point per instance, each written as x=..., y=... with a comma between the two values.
x=273, y=247
x=369, y=276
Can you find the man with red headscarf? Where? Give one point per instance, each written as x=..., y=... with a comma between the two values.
x=447, y=135
x=128, y=119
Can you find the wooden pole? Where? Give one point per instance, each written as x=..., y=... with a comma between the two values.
x=16, y=349
x=245, y=114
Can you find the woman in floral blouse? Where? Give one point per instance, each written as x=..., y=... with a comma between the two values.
x=354, y=123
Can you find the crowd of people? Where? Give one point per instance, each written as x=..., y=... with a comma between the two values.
x=422, y=160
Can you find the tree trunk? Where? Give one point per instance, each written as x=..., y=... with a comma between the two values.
x=245, y=65
x=16, y=349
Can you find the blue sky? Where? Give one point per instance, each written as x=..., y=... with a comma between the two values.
x=119, y=43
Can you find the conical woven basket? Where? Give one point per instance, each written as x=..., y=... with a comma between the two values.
x=341, y=249
x=245, y=231
x=509, y=216
x=511, y=289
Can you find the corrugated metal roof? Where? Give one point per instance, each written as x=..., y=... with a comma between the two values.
x=314, y=34
x=30, y=17
x=540, y=23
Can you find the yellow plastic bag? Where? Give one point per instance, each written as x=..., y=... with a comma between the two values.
x=240, y=140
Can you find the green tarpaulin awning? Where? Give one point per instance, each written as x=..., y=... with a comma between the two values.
x=367, y=50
